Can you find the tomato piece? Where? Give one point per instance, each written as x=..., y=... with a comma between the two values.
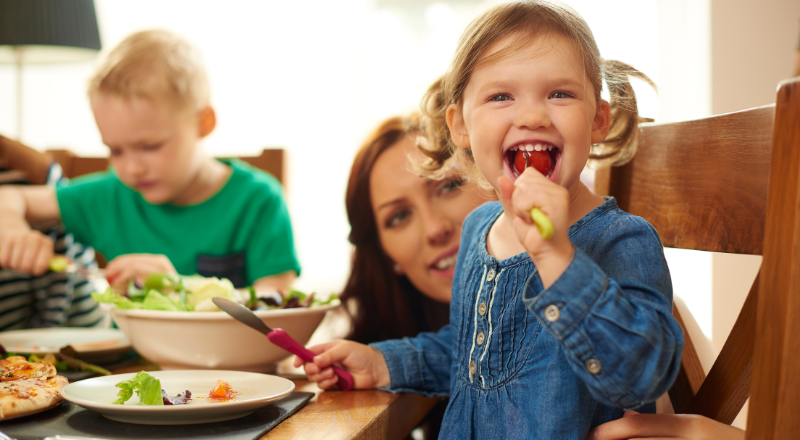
x=222, y=390
x=539, y=160
x=519, y=161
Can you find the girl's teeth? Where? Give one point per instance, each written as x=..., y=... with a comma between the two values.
x=538, y=147
x=529, y=147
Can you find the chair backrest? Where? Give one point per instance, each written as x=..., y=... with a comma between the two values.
x=720, y=184
x=270, y=160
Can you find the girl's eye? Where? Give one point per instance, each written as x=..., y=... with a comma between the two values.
x=560, y=95
x=500, y=97
x=116, y=152
x=450, y=186
x=397, y=219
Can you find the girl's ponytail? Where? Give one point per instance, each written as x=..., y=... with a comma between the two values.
x=435, y=143
x=620, y=145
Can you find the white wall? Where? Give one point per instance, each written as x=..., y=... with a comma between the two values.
x=312, y=77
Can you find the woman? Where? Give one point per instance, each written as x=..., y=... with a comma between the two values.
x=405, y=230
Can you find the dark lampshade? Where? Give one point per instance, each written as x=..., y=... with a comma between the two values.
x=49, y=30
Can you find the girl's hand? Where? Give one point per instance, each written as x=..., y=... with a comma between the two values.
x=678, y=426
x=26, y=251
x=364, y=363
x=122, y=269
x=532, y=189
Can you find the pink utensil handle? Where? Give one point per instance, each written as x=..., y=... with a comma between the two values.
x=282, y=339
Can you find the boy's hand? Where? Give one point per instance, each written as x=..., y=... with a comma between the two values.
x=674, y=426
x=532, y=189
x=26, y=251
x=364, y=363
x=122, y=269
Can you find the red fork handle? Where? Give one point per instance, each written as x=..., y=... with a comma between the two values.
x=286, y=342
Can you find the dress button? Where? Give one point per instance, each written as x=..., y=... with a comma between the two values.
x=551, y=313
x=481, y=337
x=482, y=309
x=490, y=275
x=593, y=365
x=472, y=368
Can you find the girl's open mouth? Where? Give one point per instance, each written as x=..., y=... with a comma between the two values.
x=542, y=157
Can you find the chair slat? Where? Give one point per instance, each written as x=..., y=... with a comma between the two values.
x=775, y=389
x=691, y=375
x=727, y=385
x=701, y=183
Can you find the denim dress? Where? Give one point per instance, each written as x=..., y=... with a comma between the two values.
x=523, y=362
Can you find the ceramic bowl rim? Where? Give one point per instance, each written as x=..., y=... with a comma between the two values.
x=215, y=315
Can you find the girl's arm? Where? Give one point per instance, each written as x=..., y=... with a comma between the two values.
x=611, y=310
x=363, y=362
x=420, y=364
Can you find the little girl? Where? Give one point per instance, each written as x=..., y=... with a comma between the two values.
x=548, y=337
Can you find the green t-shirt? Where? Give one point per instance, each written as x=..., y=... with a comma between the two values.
x=242, y=233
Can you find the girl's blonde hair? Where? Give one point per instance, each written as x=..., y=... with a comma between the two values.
x=154, y=64
x=523, y=21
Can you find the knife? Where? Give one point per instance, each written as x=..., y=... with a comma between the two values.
x=278, y=337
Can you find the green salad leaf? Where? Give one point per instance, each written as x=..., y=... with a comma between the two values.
x=118, y=300
x=157, y=301
x=147, y=387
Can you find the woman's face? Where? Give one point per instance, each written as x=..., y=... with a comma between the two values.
x=419, y=220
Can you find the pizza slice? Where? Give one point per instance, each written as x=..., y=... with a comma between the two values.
x=28, y=387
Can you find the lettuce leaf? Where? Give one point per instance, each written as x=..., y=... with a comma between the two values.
x=156, y=301
x=118, y=300
x=147, y=387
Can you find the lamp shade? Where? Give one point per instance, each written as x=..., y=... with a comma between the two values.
x=50, y=31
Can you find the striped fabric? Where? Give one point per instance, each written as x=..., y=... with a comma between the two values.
x=53, y=299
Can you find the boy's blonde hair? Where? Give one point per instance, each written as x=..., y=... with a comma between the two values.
x=523, y=21
x=154, y=64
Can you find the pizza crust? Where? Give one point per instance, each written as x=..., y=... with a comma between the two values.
x=36, y=388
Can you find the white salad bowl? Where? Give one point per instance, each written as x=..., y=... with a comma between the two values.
x=213, y=340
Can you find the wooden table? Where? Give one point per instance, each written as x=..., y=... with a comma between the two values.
x=335, y=415
x=362, y=414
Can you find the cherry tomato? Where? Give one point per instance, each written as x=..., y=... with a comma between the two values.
x=539, y=160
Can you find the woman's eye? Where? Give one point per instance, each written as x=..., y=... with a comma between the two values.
x=500, y=97
x=451, y=185
x=397, y=219
x=560, y=95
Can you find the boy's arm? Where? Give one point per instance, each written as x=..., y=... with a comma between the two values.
x=22, y=205
x=279, y=282
x=22, y=248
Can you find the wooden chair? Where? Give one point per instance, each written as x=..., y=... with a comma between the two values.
x=270, y=160
x=731, y=183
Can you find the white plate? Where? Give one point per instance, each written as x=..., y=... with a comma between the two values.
x=254, y=390
x=88, y=341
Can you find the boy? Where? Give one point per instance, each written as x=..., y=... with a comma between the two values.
x=166, y=207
